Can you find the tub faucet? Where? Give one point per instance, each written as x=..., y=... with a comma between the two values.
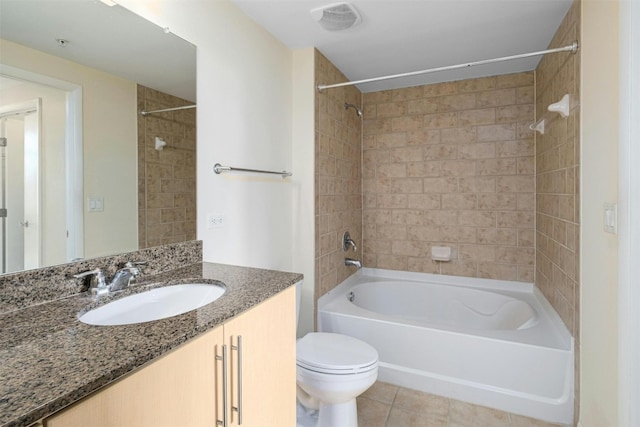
x=350, y=261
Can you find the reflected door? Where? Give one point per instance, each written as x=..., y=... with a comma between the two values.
x=20, y=187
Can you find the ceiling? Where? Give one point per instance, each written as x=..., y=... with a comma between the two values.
x=111, y=39
x=399, y=36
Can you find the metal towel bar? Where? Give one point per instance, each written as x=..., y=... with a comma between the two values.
x=218, y=168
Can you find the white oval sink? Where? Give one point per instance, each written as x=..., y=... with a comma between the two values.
x=154, y=304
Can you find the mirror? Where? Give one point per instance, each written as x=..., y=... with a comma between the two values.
x=81, y=175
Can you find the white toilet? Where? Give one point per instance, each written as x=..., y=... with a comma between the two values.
x=331, y=371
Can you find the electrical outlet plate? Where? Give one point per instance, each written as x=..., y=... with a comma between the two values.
x=215, y=221
x=610, y=218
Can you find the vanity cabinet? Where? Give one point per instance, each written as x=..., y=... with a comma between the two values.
x=185, y=386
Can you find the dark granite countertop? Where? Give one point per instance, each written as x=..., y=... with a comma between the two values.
x=49, y=359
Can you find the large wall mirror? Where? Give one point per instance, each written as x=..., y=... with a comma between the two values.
x=83, y=173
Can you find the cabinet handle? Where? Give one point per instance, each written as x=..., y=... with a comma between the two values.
x=223, y=422
x=238, y=408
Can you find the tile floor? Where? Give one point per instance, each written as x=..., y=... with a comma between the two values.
x=386, y=405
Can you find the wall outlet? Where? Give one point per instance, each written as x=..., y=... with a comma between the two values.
x=215, y=221
x=610, y=218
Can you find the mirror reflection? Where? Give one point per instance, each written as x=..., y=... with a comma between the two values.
x=83, y=173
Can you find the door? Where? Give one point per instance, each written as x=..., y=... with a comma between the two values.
x=264, y=363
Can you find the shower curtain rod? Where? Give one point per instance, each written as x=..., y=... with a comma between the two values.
x=573, y=48
x=186, y=107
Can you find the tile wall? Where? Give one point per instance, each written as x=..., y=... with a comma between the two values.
x=451, y=164
x=167, y=178
x=558, y=182
x=338, y=146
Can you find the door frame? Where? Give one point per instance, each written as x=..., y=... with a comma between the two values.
x=73, y=154
x=629, y=217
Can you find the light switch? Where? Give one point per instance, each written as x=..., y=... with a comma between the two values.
x=95, y=204
x=610, y=218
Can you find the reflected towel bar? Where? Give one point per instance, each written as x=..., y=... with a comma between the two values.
x=218, y=168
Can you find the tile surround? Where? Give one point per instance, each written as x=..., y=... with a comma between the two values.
x=451, y=164
x=558, y=183
x=338, y=191
x=167, y=178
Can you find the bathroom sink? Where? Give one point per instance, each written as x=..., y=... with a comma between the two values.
x=154, y=304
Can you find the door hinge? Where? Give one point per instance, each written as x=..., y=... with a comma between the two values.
x=3, y=142
x=3, y=213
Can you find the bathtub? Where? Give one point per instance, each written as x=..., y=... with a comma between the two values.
x=489, y=342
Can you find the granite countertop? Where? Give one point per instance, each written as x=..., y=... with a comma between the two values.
x=49, y=359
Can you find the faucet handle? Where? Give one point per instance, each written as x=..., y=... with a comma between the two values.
x=98, y=283
x=134, y=267
x=348, y=241
x=130, y=264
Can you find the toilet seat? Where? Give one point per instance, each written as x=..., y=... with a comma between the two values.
x=335, y=354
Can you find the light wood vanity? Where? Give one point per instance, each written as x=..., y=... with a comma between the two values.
x=185, y=387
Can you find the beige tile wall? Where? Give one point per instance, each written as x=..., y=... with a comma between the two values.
x=557, y=182
x=451, y=164
x=338, y=146
x=167, y=178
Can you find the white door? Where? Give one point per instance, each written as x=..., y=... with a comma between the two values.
x=20, y=242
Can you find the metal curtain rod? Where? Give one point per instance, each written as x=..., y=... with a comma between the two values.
x=218, y=168
x=186, y=107
x=573, y=48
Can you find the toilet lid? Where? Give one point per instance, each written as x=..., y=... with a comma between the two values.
x=335, y=353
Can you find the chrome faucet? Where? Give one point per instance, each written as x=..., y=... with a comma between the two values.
x=348, y=241
x=350, y=261
x=98, y=285
x=123, y=277
x=120, y=280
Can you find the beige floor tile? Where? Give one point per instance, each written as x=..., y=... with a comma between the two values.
x=428, y=405
x=468, y=415
x=403, y=418
x=382, y=392
x=372, y=413
x=520, y=421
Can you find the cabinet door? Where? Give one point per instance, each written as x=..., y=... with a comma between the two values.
x=179, y=389
x=268, y=363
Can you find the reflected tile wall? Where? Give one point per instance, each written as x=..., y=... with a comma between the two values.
x=167, y=178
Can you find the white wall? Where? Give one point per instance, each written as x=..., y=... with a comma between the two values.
x=245, y=120
x=304, y=174
x=599, y=178
x=109, y=142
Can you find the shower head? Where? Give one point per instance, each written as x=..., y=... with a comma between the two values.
x=358, y=111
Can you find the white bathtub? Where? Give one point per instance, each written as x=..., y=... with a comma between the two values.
x=489, y=342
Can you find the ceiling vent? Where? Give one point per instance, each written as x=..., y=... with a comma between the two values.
x=336, y=16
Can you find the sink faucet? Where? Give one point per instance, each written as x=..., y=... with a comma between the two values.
x=123, y=277
x=120, y=280
x=350, y=261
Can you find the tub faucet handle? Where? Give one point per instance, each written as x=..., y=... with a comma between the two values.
x=348, y=241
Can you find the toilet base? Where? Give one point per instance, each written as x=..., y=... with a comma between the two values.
x=338, y=414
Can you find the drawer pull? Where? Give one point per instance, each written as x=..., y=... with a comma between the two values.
x=238, y=408
x=223, y=358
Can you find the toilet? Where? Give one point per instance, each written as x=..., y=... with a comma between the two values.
x=331, y=371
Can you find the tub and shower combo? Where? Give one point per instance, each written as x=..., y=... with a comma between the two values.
x=489, y=342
